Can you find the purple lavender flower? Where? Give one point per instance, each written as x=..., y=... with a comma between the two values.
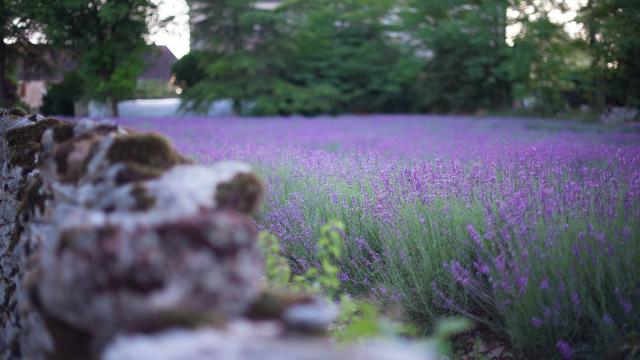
x=624, y=302
x=474, y=235
x=460, y=273
x=343, y=276
x=535, y=190
x=575, y=299
x=564, y=349
x=481, y=267
x=544, y=284
x=537, y=322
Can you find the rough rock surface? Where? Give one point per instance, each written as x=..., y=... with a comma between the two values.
x=114, y=246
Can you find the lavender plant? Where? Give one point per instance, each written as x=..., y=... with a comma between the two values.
x=529, y=227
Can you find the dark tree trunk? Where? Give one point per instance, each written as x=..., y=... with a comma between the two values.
x=114, y=107
x=597, y=91
x=237, y=107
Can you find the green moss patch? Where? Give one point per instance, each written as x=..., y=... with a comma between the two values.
x=69, y=342
x=146, y=149
x=143, y=200
x=270, y=305
x=18, y=111
x=14, y=238
x=32, y=199
x=132, y=172
x=25, y=142
x=179, y=318
x=242, y=193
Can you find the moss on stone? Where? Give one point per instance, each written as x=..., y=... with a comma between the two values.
x=14, y=238
x=69, y=343
x=9, y=290
x=243, y=193
x=178, y=318
x=270, y=305
x=70, y=238
x=31, y=199
x=62, y=132
x=18, y=111
x=25, y=142
x=143, y=200
x=60, y=157
x=146, y=149
x=132, y=172
x=73, y=172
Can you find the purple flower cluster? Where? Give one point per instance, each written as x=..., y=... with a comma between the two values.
x=532, y=230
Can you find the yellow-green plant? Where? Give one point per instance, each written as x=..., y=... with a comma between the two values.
x=358, y=319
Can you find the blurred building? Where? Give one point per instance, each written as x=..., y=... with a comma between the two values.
x=48, y=65
x=42, y=66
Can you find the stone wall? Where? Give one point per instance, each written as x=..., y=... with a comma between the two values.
x=114, y=246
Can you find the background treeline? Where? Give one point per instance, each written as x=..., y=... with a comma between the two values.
x=106, y=39
x=366, y=56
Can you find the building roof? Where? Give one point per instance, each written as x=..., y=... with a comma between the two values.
x=158, y=64
x=42, y=62
x=48, y=64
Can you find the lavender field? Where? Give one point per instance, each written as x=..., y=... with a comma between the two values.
x=529, y=227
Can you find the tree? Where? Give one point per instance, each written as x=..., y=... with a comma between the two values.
x=464, y=45
x=60, y=98
x=306, y=57
x=219, y=26
x=243, y=47
x=612, y=33
x=543, y=64
x=332, y=56
x=15, y=30
x=354, y=47
x=190, y=69
x=108, y=36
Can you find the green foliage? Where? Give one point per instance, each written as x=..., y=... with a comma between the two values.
x=152, y=89
x=15, y=31
x=542, y=65
x=362, y=56
x=466, y=45
x=189, y=69
x=328, y=255
x=446, y=329
x=276, y=266
x=108, y=36
x=358, y=320
x=615, y=48
x=296, y=60
x=60, y=98
x=322, y=279
x=424, y=236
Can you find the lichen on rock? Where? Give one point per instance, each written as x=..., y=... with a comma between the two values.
x=145, y=149
x=24, y=142
x=106, y=236
x=243, y=193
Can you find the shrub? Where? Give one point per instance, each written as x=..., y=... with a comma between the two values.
x=60, y=98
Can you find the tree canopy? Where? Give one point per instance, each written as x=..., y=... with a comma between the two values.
x=331, y=56
x=108, y=37
x=16, y=27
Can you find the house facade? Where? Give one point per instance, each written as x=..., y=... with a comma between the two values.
x=34, y=77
